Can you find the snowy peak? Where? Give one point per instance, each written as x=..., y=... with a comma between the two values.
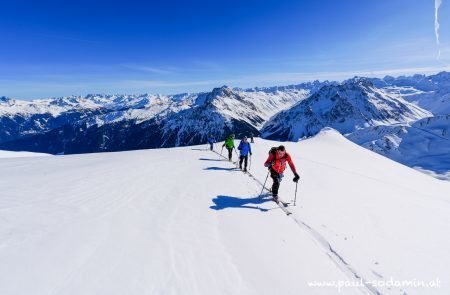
x=429, y=92
x=253, y=107
x=222, y=91
x=357, y=80
x=311, y=87
x=221, y=94
x=352, y=105
x=57, y=106
x=219, y=112
x=421, y=82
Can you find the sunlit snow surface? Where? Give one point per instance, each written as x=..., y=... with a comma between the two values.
x=183, y=221
x=9, y=154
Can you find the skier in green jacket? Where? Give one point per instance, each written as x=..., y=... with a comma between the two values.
x=229, y=144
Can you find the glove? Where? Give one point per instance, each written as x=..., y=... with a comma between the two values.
x=296, y=178
x=251, y=154
x=267, y=165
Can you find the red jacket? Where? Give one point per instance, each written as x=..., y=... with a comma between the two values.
x=279, y=164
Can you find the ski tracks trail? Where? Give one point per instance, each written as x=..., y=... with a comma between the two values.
x=340, y=262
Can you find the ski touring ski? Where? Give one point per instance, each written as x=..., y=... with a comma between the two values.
x=243, y=171
x=283, y=205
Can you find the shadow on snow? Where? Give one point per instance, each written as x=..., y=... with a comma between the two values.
x=206, y=159
x=222, y=169
x=224, y=202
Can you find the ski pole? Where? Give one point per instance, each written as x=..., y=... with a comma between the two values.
x=295, y=199
x=264, y=185
x=238, y=159
x=236, y=154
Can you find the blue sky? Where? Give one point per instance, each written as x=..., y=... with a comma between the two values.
x=59, y=48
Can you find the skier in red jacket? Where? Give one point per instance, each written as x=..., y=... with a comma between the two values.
x=276, y=162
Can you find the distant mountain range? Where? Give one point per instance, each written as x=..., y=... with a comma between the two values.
x=403, y=118
x=123, y=122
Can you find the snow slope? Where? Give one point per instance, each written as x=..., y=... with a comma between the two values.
x=8, y=154
x=183, y=221
x=425, y=145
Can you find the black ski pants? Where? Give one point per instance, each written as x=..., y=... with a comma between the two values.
x=230, y=153
x=243, y=159
x=276, y=181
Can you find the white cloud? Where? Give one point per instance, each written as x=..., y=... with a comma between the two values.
x=154, y=70
x=437, y=4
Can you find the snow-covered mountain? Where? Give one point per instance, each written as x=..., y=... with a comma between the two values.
x=224, y=111
x=24, y=118
x=385, y=121
x=424, y=145
x=352, y=105
x=429, y=92
x=376, y=113
x=110, y=224
x=112, y=123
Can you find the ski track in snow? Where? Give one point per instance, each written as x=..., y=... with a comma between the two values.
x=346, y=268
x=325, y=245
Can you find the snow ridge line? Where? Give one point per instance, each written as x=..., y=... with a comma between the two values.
x=323, y=243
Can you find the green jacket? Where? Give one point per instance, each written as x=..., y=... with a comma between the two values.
x=229, y=143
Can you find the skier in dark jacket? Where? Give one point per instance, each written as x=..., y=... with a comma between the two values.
x=211, y=141
x=276, y=162
x=229, y=144
x=244, y=148
x=251, y=138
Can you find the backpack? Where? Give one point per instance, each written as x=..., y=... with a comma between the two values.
x=273, y=151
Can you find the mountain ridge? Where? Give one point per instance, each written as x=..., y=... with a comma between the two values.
x=102, y=123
